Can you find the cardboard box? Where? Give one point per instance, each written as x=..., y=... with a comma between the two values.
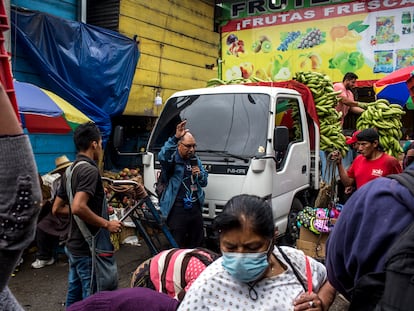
x=312, y=244
x=307, y=235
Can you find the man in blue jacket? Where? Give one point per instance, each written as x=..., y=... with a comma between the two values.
x=182, y=201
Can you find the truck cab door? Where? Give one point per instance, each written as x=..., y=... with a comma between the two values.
x=292, y=152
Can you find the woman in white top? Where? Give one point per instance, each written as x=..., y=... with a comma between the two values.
x=252, y=273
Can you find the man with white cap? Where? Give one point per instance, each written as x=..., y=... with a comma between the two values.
x=61, y=164
x=51, y=229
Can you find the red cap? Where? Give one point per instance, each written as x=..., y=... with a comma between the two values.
x=353, y=139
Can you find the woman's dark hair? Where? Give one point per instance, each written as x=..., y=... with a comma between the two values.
x=242, y=208
x=85, y=134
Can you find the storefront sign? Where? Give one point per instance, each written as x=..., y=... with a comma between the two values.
x=275, y=40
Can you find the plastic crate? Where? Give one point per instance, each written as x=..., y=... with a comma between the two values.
x=6, y=77
x=4, y=25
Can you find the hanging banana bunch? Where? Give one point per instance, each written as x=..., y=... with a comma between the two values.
x=321, y=86
x=386, y=118
x=239, y=80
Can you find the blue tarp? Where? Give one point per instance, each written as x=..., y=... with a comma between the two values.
x=90, y=67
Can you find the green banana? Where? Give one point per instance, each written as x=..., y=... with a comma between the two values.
x=386, y=118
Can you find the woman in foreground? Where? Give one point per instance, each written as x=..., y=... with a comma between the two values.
x=253, y=273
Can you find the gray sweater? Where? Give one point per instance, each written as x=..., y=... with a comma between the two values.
x=20, y=198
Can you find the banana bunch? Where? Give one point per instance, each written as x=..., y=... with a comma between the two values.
x=331, y=136
x=216, y=81
x=386, y=118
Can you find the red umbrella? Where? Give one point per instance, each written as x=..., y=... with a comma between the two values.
x=394, y=88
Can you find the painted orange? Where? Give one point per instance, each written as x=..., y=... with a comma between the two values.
x=338, y=31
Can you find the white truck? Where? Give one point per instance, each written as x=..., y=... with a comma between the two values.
x=252, y=139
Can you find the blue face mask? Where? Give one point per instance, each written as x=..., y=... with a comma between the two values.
x=245, y=267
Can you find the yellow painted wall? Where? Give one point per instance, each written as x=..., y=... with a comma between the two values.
x=176, y=41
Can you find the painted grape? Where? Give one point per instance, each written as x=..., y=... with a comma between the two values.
x=289, y=38
x=312, y=38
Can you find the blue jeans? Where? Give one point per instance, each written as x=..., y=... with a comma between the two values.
x=80, y=271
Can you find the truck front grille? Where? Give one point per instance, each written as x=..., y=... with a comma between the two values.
x=213, y=212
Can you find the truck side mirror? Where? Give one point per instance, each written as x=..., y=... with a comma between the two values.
x=280, y=144
x=280, y=138
x=118, y=136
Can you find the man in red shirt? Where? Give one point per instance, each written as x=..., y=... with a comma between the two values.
x=371, y=162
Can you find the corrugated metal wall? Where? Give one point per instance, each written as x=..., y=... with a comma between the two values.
x=103, y=13
x=176, y=40
x=63, y=8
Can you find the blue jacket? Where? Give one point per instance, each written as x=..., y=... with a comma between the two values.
x=168, y=157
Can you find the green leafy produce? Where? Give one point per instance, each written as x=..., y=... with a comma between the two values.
x=347, y=62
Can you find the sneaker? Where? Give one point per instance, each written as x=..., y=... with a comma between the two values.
x=38, y=263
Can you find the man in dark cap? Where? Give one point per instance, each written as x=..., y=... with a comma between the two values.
x=371, y=162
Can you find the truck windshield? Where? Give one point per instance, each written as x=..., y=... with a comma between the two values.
x=232, y=125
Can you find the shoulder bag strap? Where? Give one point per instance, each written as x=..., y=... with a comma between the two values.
x=81, y=224
x=295, y=271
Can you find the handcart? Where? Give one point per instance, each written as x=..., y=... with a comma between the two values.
x=142, y=212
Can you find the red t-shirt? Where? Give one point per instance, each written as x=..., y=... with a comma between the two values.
x=363, y=170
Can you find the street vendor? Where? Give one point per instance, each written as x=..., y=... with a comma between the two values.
x=372, y=162
x=347, y=101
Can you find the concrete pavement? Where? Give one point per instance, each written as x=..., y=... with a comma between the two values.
x=45, y=289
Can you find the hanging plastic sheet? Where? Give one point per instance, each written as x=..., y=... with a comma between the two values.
x=90, y=67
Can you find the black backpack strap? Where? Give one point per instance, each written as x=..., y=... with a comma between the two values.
x=406, y=178
x=295, y=271
x=367, y=292
x=399, y=282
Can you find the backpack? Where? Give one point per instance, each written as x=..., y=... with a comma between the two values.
x=141, y=276
x=163, y=177
x=393, y=288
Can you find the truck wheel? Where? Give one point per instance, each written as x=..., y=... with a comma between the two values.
x=292, y=230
